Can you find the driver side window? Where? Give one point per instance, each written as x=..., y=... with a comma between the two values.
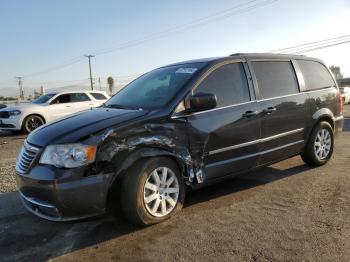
x=228, y=83
x=65, y=98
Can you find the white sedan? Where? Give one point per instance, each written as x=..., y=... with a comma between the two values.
x=49, y=107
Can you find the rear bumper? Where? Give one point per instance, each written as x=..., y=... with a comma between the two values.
x=63, y=195
x=338, y=124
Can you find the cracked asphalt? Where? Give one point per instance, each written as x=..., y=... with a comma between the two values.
x=284, y=212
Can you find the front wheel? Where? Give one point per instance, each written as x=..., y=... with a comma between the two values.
x=31, y=123
x=319, y=148
x=152, y=191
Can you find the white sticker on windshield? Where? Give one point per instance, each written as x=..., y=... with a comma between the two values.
x=186, y=70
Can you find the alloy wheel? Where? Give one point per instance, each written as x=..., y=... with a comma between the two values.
x=33, y=122
x=161, y=192
x=323, y=143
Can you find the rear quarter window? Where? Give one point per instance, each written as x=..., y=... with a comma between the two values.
x=316, y=75
x=275, y=78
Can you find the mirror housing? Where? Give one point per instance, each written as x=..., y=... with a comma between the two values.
x=200, y=102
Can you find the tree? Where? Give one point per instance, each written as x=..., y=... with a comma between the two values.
x=110, y=82
x=336, y=72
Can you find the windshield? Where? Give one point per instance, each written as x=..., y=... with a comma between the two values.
x=154, y=89
x=43, y=99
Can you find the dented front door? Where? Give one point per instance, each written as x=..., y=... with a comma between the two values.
x=224, y=140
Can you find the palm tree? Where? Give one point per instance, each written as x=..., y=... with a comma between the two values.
x=110, y=82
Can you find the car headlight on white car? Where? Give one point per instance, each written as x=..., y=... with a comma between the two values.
x=69, y=155
x=14, y=112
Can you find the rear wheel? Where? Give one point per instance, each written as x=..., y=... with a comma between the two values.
x=319, y=148
x=152, y=191
x=31, y=123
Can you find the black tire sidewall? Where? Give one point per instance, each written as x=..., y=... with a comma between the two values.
x=143, y=172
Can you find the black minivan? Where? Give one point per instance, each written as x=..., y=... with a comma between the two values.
x=180, y=127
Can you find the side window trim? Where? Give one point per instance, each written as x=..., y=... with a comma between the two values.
x=299, y=74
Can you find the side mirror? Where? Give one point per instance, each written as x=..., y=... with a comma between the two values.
x=200, y=102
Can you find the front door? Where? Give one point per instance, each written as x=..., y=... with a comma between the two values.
x=225, y=139
x=283, y=108
x=61, y=106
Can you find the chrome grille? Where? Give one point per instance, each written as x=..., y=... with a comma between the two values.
x=26, y=157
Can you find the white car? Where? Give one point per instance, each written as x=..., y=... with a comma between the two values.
x=49, y=107
x=345, y=93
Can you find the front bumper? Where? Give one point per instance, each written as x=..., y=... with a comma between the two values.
x=63, y=194
x=11, y=123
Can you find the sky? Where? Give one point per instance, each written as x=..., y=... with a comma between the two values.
x=45, y=41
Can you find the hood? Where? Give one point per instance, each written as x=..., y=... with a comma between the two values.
x=78, y=126
x=18, y=106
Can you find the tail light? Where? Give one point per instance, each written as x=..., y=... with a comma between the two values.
x=340, y=102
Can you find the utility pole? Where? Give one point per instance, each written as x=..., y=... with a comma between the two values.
x=99, y=81
x=89, y=57
x=21, y=93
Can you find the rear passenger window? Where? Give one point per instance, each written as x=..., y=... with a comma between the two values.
x=275, y=78
x=228, y=83
x=315, y=75
x=79, y=97
x=98, y=96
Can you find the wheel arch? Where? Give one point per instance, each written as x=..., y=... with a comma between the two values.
x=34, y=114
x=134, y=157
x=323, y=114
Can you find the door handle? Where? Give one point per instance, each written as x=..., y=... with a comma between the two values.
x=68, y=106
x=269, y=110
x=250, y=113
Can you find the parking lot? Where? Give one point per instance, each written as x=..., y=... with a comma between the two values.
x=285, y=212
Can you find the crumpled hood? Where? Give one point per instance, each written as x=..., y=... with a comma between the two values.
x=78, y=126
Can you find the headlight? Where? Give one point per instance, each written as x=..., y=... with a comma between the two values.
x=68, y=155
x=14, y=112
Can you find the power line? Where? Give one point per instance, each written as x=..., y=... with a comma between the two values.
x=320, y=47
x=242, y=8
x=57, y=67
x=297, y=47
x=235, y=10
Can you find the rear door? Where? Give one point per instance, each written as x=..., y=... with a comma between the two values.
x=225, y=139
x=81, y=101
x=284, y=110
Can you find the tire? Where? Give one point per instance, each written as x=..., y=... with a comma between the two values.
x=32, y=122
x=319, y=148
x=135, y=193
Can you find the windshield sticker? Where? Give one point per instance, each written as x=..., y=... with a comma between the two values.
x=187, y=70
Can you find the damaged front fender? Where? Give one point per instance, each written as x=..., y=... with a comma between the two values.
x=119, y=149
